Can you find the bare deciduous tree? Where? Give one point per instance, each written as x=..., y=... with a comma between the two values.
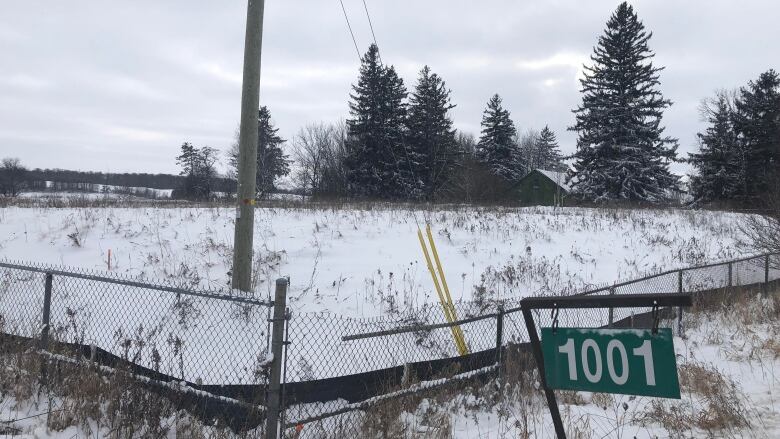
x=763, y=230
x=319, y=151
x=529, y=150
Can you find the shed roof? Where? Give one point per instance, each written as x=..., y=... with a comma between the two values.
x=558, y=178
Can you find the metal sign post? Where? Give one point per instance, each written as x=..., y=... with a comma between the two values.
x=593, y=358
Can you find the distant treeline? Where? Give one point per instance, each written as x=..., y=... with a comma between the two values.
x=66, y=180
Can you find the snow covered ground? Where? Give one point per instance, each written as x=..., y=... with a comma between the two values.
x=355, y=262
x=728, y=363
x=364, y=262
x=101, y=191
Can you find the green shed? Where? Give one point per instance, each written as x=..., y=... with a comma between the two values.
x=543, y=188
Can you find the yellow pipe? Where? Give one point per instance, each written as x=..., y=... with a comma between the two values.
x=443, y=279
x=447, y=311
x=442, y=300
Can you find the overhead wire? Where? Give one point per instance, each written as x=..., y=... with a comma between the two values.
x=370, y=25
x=354, y=41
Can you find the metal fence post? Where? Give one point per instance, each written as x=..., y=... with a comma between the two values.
x=277, y=343
x=766, y=274
x=611, y=310
x=680, y=281
x=45, y=323
x=680, y=308
x=731, y=282
x=499, y=335
x=43, y=343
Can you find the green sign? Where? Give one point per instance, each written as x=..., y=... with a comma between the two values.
x=626, y=361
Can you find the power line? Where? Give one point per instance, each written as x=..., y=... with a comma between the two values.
x=369, y=22
x=350, y=29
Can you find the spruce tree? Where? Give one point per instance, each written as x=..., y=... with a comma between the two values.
x=497, y=149
x=188, y=161
x=719, y=162
x=622, y=153
x=548, y=154
x=430, y=136
x=272, y=162
x=757, y=121
x=377, y=164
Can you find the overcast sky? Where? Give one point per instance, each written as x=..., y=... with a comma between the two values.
x=118, y=85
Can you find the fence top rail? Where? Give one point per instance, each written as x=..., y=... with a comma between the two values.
x=676, y=270
x=618, y=301
x=415, y=328
x=132, y=283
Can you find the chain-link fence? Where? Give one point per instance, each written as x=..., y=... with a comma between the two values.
x=339, y=369
x=210, y=346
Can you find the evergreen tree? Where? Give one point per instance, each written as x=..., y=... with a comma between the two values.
x=497, y=149
x=622, y=153
x=272, y=162
x=197, y=168
x=719, y=165
x=757, y=121
x=377, y=163
x=187, y=160
x=548, y=155
x=430, y=136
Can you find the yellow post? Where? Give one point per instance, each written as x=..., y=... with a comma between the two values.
x=462, y=350
x=443, y=279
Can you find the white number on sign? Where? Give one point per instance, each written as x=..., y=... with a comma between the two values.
x=568, y=349
x=593, y=377
x=593, y=372
x=623, y=377
x=646, y=351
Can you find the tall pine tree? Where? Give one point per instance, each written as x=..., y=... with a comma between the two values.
x=430, y=136
x=272, y=162
x=548, y=153
x=757, y=122
x=719, y=165
x=622, y=153
x=377, y=164
x=497, y=149
x=199, y=172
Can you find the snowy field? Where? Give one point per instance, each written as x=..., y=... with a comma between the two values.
x=100, y=191
x=367, y=262
x=354, y=263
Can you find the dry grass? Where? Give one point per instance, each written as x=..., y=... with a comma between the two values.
x=98, y=404
x=714, y=404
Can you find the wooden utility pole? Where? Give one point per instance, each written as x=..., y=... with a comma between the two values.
x=247, y=148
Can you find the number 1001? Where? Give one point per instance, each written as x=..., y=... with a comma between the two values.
x=594, y=370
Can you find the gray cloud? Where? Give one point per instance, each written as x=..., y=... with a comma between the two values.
x=119, y=85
